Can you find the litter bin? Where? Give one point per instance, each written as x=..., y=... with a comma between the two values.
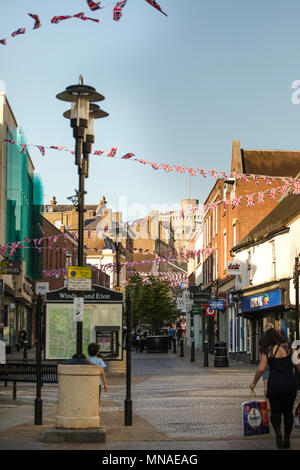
x=157, y=344
x=221, y=359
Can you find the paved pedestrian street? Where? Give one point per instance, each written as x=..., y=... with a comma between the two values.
x=177, y=405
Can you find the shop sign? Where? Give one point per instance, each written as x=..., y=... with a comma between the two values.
x=218, y=304
x=9, y=266
x=261, y=301
x=210, y=312
x=234, y=267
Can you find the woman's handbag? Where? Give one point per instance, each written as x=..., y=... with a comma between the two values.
x=255, y=418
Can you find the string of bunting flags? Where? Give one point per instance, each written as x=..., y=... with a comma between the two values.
x=245, y=177
x=94, y=6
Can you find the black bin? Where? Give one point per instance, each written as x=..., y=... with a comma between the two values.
x=221, y=359
x=157, y=344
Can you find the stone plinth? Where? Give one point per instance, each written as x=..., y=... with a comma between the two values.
x=78, y=397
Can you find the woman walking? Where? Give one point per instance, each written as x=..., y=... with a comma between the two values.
x=282, y=385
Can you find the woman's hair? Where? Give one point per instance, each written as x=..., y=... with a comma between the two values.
x=272, y=338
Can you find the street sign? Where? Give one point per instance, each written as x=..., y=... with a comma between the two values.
x=78, y=308
x=217, y=304
x=42, y=288
x=80, y=278
x=209, y=312
x=196, y=309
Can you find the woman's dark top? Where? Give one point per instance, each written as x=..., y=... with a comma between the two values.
x=282, y=380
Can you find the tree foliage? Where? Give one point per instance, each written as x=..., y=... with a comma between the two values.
x=151, y=301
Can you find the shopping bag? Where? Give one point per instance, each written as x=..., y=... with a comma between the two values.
x=255, y=418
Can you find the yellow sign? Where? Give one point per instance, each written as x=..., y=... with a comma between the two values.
x=80, y=272
x=118, y=289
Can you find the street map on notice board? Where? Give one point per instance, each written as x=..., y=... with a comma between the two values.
x=61, y=331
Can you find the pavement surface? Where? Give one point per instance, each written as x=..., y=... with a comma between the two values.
x=178, y=405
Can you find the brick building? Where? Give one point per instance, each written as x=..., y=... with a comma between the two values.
x=232, y=209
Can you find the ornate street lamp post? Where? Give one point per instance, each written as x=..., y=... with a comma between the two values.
x=82, y=115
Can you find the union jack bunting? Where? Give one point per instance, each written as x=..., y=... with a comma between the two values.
x=296, y=188
x=202, y=172
x=283, y=189
x=127, y=156
x=41, y=149
x=23, y=148
x=250, y=200
x=236, y=202
x=112, y=152
x=99, y=152
x=9, y=141
x=191, y=171
x=144, y=162
x=117, y=12
x=223, y=174
x=3, y=41
x=179, y=169
x=167, y=168
x=226, y=204
x=18, y=31
x=266, y=179
x=93, y=5
x=58, y=147
x=272, y=193
x=58, y=19
x=245, y=178
x=261, y=197
x=155, y=166
x=155, y=5
x=85, y=18
x=213, y=173
x=37, y=23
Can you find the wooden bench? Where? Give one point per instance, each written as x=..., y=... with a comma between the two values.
x=26, y=372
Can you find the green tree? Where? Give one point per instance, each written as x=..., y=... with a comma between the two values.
x=151, y=301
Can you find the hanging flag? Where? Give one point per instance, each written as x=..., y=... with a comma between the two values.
x=99, y=152
x=41, y=149
x=261, y=197
x=112, y=152
x=58, y=147
x=85, y=18
x=127, y=156
x=23, y=148
x=117, y=12
x=202, y=172
x=191, y=171
x=93, y=5
x=167, y=168
x=18, y=31
x=9, y=141
x=296, y=188
x=37, y=23
x=155, y=166
x=3, y=41
x=250, y=200
x=236, y=202
x=155, y=5
x=58, y=19
x=179, y=169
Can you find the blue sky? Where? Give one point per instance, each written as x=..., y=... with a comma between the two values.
x=178, y=89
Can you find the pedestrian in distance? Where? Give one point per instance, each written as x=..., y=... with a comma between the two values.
x=171, y=333
x=282, y=385
x=137, y=340
x=93, y=351
x=143, y=341
x=179, y=335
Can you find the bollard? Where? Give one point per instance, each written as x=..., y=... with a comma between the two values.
x=206, y=364
x=193, y=351
x=181, y=348
x=25, y=344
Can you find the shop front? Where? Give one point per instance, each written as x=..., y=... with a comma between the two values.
x=260, y=309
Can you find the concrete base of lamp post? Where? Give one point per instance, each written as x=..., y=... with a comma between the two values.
x=78, y=413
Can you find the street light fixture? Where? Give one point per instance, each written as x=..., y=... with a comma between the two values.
x=82, y=115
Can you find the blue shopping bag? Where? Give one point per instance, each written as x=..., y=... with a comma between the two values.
x=255, y=417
